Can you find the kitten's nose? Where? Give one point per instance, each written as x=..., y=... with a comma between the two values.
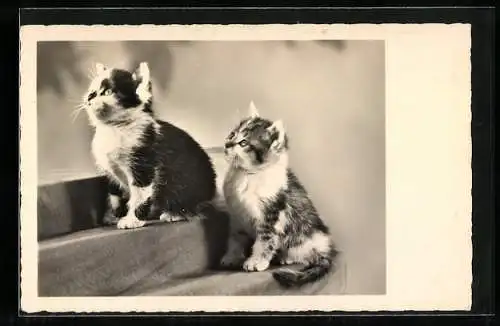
x=228, y=145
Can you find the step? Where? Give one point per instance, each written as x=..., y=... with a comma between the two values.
x=77, y=201
x=79, y=257
x=158, y=260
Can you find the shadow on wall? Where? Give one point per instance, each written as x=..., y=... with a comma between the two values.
x=157, y=54
x=185, y=77
x=70, y=206
x=54, y=57
x=337, y=45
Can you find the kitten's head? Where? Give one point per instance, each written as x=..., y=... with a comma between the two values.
x=256, y=142
x=115, y=95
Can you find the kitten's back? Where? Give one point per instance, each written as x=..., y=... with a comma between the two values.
x=186, y=169
x=304, y=218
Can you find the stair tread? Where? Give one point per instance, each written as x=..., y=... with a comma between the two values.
x=241, y=284
x=161, y=259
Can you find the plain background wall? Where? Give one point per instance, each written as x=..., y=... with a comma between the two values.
x=330, y=95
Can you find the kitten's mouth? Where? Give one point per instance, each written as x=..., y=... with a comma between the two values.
x=102, y=111
x=231, y=158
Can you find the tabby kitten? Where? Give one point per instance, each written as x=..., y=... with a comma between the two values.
x=156, y=170
x=270, y=209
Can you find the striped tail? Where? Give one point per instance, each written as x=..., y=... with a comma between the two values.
x=314, y=272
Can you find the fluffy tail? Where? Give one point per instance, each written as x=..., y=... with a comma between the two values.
x=312, y=273
x=209, y=208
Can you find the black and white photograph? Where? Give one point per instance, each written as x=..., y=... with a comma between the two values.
x=189, y=167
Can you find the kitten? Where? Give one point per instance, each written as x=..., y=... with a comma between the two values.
x=270, y=209
x=157, y=170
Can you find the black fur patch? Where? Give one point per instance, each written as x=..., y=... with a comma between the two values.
x=266, y=235
x=184, y=175
x=259, y=153
x=272, y=208
x=229, y=144
x=143, y=211
x=144, y=158
x=124, y=87
x=115, y=190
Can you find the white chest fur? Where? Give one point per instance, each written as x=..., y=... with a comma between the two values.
x=244, y=192
x=111, y=147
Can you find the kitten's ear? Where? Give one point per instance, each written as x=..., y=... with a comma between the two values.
x=252, y=110
x=100, y=68
x=277, y=131
x=144, y=87
x=142, y=73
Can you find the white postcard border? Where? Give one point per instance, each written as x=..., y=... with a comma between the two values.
x=428, y=167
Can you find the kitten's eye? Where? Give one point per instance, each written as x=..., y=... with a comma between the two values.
x=243, y=143
x=108, y=92
x=91, y=96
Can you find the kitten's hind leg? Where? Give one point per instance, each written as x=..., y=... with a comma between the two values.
x=170, y=217
x=117, y=203
x=285, y=260
x=177, y=212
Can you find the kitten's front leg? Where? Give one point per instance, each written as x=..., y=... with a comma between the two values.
x=138, y=197
x=263, y=250
x=140, y=194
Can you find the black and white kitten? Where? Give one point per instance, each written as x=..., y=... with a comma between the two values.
x=157, y=170
x=270, y=210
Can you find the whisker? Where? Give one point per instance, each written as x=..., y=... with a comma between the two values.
x=75, y=101
x=74, y=115
x=92, y=72
x=79, y=102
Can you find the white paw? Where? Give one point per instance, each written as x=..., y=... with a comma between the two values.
x=231, y=260
x=286, y=262
x=165, y=217
x=130, y=223
x=255, y=264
